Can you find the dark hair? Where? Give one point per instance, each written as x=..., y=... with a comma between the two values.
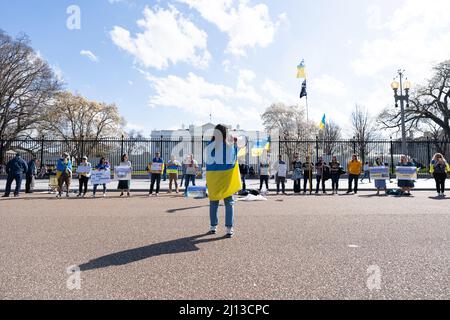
x=223, y=130
x=123, y=157
x=102, y=160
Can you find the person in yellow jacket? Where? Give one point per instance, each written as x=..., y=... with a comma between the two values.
x=222, y=177
x=354, y=169
x=439, y=168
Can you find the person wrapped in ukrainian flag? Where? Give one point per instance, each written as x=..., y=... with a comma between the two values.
x=222, y=177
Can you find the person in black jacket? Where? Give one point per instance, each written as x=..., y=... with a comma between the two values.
x=243, y=169
x=15, y=170
x=31, y=175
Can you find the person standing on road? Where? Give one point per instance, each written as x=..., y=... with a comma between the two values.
x=320, y=168
x=307, y=174
x=31, y=175
x=405, y=185
x=366, y=169
x=264, y=172
x=243, y=169
x=103, y=165
x=439, y=168
x=125, y=185
x=172, y=169
x=280, y=169
x=297, y=173
x=380, y=184
x=15, y=169
x=64, y=174
x=156, y=174
x=191, y=172
x=83, y=178
x=222, y=177
x=335, y=171
x=354, y=169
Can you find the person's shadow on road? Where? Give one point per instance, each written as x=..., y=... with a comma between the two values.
x=132, y=255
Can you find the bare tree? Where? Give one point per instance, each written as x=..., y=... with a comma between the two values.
x=27, y=85
x=428, y=107
x=330, y=136
x=291, y=124
x=76, y=120
x=364, y=130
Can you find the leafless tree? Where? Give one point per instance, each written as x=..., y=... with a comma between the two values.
x=428, y=108
x=27, y=85
x=364, y=130
x=329, y=136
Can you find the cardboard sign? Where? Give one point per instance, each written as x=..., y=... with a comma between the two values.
x=157, y=167
x=282, y=170
x=84, y=169
x=122, y=173
x=100, y=177
x=406, y=173
x=379, y=173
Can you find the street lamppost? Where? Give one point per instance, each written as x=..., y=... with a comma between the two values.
x=396, y=85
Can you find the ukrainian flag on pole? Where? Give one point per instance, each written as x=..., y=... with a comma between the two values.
x=301, y=70
x=323, y=122
x=260, y=146
x=222, y=172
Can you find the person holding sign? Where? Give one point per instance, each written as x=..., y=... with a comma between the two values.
x=191, y=172
x=222, y=177
x=354, y=168
x=439, y=169
x=124, y=185
x=297, y=174
x=103, y=165
x=64, y=174
x=380, y=182
x=406, y=180
x=172, y=169
x=84, y=172
x=280, y=168
x=156, y=168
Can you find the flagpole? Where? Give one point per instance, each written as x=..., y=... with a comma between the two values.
x=309, y=147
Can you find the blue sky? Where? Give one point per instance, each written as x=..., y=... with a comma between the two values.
x=168, y=63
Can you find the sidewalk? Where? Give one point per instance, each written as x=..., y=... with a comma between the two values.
x=142, y=185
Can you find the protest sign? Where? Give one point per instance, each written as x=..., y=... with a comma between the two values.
x=84, y=169
x=100, y=176
x=282, y=170
x=406, y=173
x=122, y=173
x=379, y=173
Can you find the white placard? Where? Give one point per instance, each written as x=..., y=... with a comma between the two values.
x=84, y=169
x=100, y=176
x=156, y=167
x=282, y=170
x=122, y=173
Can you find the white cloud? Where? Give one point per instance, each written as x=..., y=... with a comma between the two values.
x=91, y=56
x=277, y=94
x=417, y=36
x=167, y=37
x=246, y=26
x=328, y=85
x=195, y=95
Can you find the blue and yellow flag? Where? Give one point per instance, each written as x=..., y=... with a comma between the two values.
x=323, y=122
x=260, y=146
x=301, y=70
x=222, y=171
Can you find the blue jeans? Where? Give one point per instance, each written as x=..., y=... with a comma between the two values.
x=9, y=181
x=187, y=179
x=229, y=212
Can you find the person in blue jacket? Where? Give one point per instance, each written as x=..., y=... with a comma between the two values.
x=31, y=175
x=15, y=169
x=64, y=174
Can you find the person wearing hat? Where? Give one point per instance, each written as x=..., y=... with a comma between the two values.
x=15, y=169
x=83, y=177
x=64, y=173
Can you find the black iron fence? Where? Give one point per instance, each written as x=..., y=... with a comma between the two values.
x=141, y=151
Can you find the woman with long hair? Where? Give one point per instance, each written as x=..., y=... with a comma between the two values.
x=439, y=168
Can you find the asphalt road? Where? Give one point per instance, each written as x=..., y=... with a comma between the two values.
x=295, y=247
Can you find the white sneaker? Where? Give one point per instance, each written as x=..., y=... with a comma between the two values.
x=104, y=195
x=213, y=230
x=230, y=232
